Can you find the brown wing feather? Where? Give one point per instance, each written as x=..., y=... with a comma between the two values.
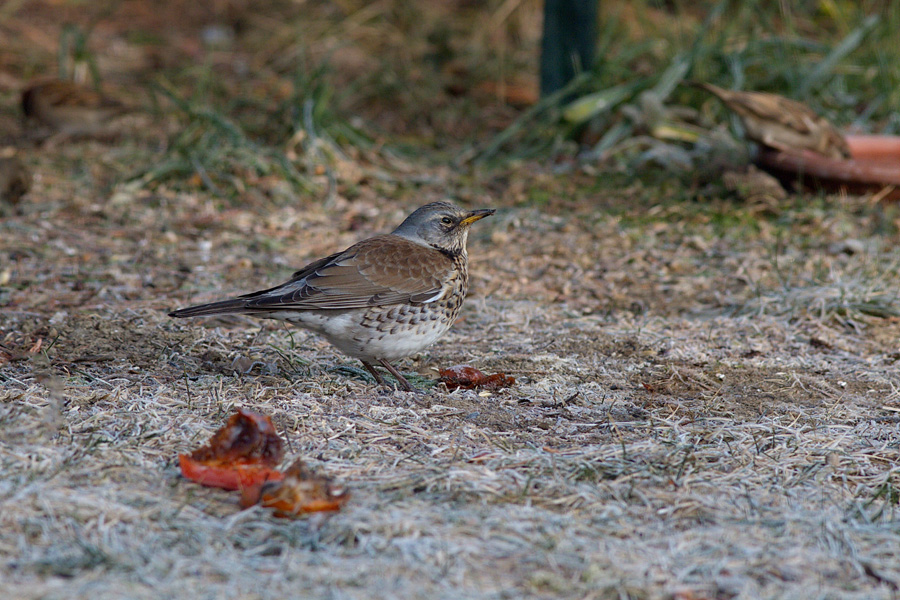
x=361, y=276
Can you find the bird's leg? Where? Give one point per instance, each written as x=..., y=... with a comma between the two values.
x=378, y=378
x=401, y=380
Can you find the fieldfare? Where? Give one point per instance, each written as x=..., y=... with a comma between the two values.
x=380, y=300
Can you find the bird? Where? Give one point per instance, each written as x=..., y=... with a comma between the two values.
x=69, y=108
x=781, y=123
x=382, y=299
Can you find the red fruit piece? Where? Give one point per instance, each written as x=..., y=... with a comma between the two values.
x=302, y=491
x=240, y=455
x=468, y=377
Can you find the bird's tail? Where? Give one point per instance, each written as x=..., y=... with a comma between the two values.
x=235, y=305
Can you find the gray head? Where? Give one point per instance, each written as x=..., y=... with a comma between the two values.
x=441, y=225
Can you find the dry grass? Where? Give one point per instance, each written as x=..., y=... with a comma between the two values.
x=705, y=407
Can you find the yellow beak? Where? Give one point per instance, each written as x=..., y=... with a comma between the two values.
x=475, y=215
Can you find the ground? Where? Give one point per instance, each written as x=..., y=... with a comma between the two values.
x=705, y=405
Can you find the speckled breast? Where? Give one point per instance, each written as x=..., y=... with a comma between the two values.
x=401, y=330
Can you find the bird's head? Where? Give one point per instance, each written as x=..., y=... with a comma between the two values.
x=441, y=225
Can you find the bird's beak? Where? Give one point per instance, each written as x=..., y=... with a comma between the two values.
x=476, y=215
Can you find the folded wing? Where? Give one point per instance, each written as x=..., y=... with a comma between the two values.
x=381, y=270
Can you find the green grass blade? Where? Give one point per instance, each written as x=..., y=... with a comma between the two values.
x=850, y=43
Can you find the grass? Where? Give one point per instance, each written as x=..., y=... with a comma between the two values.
x=706, y=402
x=865, y=287
x=218, y=153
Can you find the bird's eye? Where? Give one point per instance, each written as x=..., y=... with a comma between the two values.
x=447, y=221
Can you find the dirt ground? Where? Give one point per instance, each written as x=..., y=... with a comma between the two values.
x=706, y=403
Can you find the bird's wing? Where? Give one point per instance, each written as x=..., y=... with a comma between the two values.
x=382, y=270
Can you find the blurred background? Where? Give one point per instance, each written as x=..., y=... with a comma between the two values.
x=313, y=93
